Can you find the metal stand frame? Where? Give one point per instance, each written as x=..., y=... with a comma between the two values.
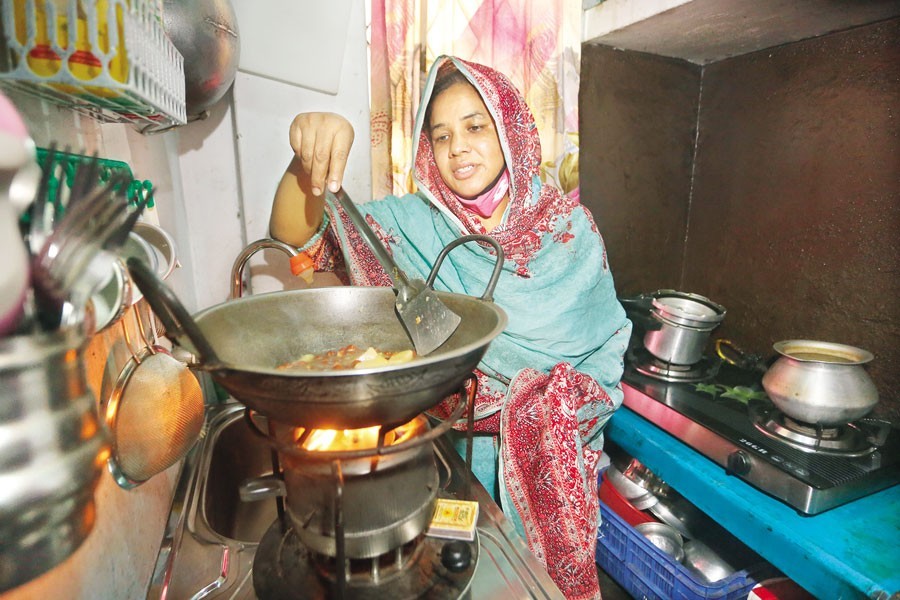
x=336, y=458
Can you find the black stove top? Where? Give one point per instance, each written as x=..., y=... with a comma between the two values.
x=809, y=468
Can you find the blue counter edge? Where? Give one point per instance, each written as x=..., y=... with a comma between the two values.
x=851, y=551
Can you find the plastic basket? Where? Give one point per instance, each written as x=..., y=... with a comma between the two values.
x=645, y=571
x=108, y=59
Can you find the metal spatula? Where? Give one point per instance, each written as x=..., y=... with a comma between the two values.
x=428, y=321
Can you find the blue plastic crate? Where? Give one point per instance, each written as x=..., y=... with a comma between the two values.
x=645, y=571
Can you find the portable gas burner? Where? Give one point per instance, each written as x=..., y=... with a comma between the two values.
x=811, y=468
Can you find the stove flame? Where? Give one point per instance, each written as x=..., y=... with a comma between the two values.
x=353, y=439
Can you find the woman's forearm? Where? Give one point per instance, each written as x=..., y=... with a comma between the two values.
x=296, y=211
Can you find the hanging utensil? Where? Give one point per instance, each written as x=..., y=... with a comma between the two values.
x=49, y=191
x=427, y=320
x=155, y=412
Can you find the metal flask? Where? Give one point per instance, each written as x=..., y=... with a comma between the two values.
x=52, y=452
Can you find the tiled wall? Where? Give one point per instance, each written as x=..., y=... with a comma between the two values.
x=778, y=198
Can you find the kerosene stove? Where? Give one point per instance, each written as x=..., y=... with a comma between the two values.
x=333, y=514
x=354, y=509
x=723, y=412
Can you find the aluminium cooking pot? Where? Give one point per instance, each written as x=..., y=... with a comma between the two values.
x=242, y=342
x=820, y=383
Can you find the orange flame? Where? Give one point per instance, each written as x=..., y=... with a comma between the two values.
x=354, y=439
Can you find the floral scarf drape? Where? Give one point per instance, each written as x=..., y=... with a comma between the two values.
x=536, y=44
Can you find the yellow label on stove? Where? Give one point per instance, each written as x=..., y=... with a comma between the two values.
x=454, y=519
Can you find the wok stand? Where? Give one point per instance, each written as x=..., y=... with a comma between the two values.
x=337, y=457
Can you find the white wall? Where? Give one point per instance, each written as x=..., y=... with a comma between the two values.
x=262, y=110
x=610, y=15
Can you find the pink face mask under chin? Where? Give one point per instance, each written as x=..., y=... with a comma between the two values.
x=486, y=203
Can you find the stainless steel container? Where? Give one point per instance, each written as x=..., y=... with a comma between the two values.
x=686, y=322
x=52, y=452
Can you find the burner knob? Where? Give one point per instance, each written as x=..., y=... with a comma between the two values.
x=456, y=556
x=738, y=463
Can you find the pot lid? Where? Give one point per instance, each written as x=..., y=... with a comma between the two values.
x=687, y=308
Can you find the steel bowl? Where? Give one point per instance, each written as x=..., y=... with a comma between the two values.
x=704, y=562
x=675, y=510
x=639, y=474
x=633, y=493
x=205, y=32
x=664, y=537
x=162, y=244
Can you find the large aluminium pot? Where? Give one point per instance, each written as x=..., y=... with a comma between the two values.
x=242, y=342
x=820, y=383
x=685, y=322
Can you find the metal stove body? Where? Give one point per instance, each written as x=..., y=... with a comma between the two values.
x=722, y=412
x=218, y=546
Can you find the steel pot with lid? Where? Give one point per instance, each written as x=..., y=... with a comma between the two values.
x=820, y=383
x=685, y=324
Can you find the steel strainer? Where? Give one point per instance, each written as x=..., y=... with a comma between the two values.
x=155, y=412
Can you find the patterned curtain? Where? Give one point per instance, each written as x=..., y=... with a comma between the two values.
x=536, y=44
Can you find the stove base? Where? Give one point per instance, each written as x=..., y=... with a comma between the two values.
x=283, y=566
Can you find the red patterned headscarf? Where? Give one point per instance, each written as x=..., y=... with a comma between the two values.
x=530, y=201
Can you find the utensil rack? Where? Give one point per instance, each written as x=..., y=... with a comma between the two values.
x=108, y=59
x=65, y=165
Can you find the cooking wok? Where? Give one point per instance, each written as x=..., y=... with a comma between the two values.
x=242, y=342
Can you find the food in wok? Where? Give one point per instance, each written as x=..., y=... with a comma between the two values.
x=349, y=357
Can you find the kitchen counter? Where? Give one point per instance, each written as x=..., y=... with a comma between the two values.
x=850, y=551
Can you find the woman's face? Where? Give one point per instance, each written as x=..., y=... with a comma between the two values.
x=465, y=142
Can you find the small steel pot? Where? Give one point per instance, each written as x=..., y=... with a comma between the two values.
x=820, y=383
x=664, y=537
x=687, y=320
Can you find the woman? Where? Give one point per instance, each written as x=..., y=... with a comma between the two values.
x=550, y=382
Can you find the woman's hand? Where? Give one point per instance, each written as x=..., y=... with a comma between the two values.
x=322, y=142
